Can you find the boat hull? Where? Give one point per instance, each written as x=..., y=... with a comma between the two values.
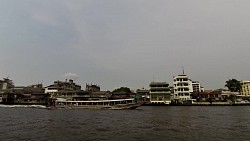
x=121, y=104
x=114, y=107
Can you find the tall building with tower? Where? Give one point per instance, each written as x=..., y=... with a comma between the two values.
x=182, y=87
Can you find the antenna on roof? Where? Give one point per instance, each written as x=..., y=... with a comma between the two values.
x=183, y=72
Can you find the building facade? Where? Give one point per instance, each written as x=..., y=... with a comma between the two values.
x=6, y=83
x=92, y=88
x=196, y=86
x=182, y=87
x=245, y=87
x=63, y=88
x=219, y=95
x=159, y=93
x=143, y=94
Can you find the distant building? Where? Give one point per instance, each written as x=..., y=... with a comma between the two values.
x=100, y=95
x=63, y=88
x=159, y=93
x=92, y=88
x=143, y=94
x=38, y=88
x=245, y=87
x=182, y=87
x=6, y=83
x=171, y=89
x=208, y=91
x=219, y=95
x=120, y=95
x=30, y=95
x=196, y=86
x=202, y=89
x=88, y=96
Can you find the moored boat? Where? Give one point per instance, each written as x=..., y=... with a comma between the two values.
x=117, y=104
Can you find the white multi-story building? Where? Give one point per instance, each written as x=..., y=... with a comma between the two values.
x=196, y=86
x=182, y=87
x=159, y=93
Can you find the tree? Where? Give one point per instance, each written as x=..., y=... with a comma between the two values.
x=123, y=89
x=232, y=98
x=233, y=85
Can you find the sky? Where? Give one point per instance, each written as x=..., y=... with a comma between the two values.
x=129, y=43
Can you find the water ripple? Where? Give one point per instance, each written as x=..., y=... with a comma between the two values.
x=146, y=124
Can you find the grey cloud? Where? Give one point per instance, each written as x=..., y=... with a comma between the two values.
x=118, y=42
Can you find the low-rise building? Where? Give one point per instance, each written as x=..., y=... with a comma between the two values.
x=219, y=95
x=63, y=88
x=120, y=95
x=92, y=88
x=29, y=95
x=6, y=83
x=26, y=98
x=100, y=95
x=142, y=95
x=159, y=93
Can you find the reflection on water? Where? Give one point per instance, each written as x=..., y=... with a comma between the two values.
x=146, y=123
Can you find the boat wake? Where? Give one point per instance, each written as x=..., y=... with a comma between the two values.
x=23, y=106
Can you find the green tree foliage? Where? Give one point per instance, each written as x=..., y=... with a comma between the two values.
x=233, y=85
x=232, y=98
x=123, y=89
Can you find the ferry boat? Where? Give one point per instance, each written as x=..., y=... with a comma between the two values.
x=117, y=104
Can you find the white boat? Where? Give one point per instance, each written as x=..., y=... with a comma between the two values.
x=98, y=104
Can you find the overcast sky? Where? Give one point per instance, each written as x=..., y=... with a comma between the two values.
x=129, y=43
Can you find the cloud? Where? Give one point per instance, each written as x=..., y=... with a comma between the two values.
x=48, y=19
x=71, y=76
x=115, y=43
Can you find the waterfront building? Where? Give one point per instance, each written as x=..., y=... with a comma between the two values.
x=196, y=86
x=25, y=98
x=95, y=92
x=63, y=88
x=38, y=88
x=208, y=91
x=245, y=87
x=5, y=86
x=142, y=94
x=28, y=95
x=90, y=96
x=121, y=95
x=92, y=88
x=182, y=87
x=159, y=93
x=202, y=89
x=219, y=95
x=6, y=83
x=100, y=95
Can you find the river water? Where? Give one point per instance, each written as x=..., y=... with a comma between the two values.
x=146, y=123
